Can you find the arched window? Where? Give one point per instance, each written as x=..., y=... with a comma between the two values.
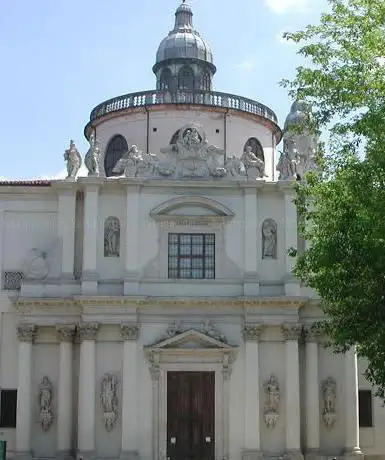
x=186, y=78
x=206, y=82
x=165, y=80
x=256, y=147
x=116, y=148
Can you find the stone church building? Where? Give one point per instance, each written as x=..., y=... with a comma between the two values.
x=149, y=311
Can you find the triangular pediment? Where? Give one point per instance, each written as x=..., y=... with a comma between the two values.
x=191, y=207
x=191, y=339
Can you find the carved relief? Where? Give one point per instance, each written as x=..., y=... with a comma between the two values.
x=109, y=400
x=273, y=396
x=252, y=331
x=45, y=403
x=269, y=239
x=208, y=329
x=235, y=168
x=91, y=160
x=36, y=266
x=111, y=237
x=329, y=394
x=73, y=159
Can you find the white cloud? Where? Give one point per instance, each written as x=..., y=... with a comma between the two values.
x=247, y=65
x=286, y=6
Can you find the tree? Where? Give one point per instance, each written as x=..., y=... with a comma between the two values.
x=342, y=206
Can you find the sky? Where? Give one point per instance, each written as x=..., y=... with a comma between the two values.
x=61, y=58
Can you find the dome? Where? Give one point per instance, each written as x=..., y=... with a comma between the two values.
x=183, y=41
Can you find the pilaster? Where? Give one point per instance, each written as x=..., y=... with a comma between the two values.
x=90, y=236
x=252, y=442
x=130, y=449
x=87, y=390
x=26, y=334
x=291, y=333
x=131, y=280
x=251, y=278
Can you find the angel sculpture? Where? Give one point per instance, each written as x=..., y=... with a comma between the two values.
x=73, y=159
x=91, y=160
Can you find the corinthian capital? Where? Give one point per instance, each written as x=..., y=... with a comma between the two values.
x=292, y=331
x=88, y=331
x=130, y=331
x=311, y=334
x=26, y=332
x=66, y=332
x=252, y=331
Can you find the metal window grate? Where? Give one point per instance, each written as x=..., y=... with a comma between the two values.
x=191, y=256
x=12, y=281
x=8, y=402
x=365, y=408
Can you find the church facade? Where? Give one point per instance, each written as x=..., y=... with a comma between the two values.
x=149, y=311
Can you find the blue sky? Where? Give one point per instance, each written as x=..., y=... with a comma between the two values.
x=60, y=58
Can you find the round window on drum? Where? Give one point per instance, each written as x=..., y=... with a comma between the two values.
x=116, y=148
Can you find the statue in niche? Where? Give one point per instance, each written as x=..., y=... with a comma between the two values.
x=91, y=160
x=287, y=164
x=109, y=400
x=269, y=239
x=45, y=403
x=255, y=166
x=73, y=159
x=329, y=394
x=112, y=237
x=36, y=266
x=273, y=396
x=234, y=167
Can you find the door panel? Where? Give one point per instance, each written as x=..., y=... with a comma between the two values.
x=191, y=415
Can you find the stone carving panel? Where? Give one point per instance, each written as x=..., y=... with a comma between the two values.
x=269, y=239
x=91, y=160
x=112, y=237
x=273, y=396
x=109, y=401
x=73, y=159
x=45, y=403
x=329, y=396
x=36, y=266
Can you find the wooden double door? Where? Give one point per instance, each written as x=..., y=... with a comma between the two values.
x=190, y=415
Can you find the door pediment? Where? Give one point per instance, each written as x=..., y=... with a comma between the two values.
x=191, y=339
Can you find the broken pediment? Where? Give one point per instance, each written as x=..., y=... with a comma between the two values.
x=192, y=208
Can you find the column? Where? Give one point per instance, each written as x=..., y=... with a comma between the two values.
x=26, y=334
x=87, y=390
x=291, y=333
x=251, y=335
x=312, y=392
x=292, y=286
x=352, y=436
x=130, y=335
x=64, y=396
x=155, y=375
x=131, y=279
x=66, y=227
x=90, y=236
x=251, y=279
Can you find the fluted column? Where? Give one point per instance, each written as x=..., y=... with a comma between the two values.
x=90, y=235
x=312, y=392
x=64, y=397
x=251, y=335
x=26, y=334
x=352, y=436
x=130, y=335
x=251, y=278
x=291, y=333
x=87, y=390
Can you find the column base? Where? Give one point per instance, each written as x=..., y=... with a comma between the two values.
x=23, y=455
x=252, y=454
x=64, y=455
x=129, y=455
x=353, y=454
x=85, y=455
x=313, y=454
x=293, y=455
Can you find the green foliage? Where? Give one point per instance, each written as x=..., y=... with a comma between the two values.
x=342, y=207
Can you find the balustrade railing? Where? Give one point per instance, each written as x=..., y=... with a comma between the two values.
x=210, y=98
